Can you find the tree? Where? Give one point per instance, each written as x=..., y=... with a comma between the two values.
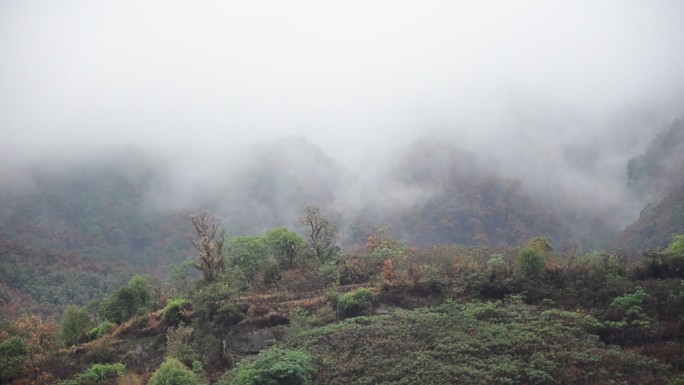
x=13, y=351
x=127, y=301
x=540, y=245
x=74, y=325
x=39, y=337
x=119, y=306
x=533, y=257
x=321, y=234
x=247, y=254
x=284, y=245
x=530, y=263
x=209, y=248
x=173, y=372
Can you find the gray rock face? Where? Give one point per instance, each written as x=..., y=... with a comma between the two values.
x=146, y=355
x=253, y=341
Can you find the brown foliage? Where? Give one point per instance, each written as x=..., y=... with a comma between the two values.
x=39, y=337
x=209, y=248
x=387, y=272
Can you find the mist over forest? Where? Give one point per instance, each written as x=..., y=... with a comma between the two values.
x=431, y=191
x=458, y=123
x=311, y=192
x=257, y=112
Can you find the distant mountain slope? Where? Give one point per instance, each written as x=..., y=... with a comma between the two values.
x=467, y=201
x=43, y=281
x=102, y=215
x=657, y=223
x=657, y=176
x=653, y=174
x=70, y=233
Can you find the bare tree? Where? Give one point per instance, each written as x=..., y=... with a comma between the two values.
x=209, y=247
x=321, y=234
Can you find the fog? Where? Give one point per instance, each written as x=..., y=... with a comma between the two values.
x=559, y=95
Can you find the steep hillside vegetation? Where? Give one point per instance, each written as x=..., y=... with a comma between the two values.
x=388, y=314
x=468, y=202
x=658, y=177
x=72, y=230
x=71, y=234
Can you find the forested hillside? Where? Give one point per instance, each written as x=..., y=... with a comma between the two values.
x=73, y=230
x=283, y=309
x=70, y=233
x=341, y=193
x=455, y=275
x=657, y=176
x=467, y=201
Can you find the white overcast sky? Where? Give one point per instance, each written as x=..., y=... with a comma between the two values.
x=171, y=74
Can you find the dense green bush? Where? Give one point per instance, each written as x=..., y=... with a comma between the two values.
x=173, y=372
x=13, y=351
x=127, y=301
x=355, y=303
x=174, y=311
x=247, y=254
x=272, y=367
x=104, y=328
x=284, y=245
x=74, y=325
x=677, y=245
x=627, y=321
x=119, y=306
x=531, y=263
x=98, y=373
x=668, y=263
x=494, y=281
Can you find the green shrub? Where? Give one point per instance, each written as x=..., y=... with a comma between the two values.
x=496, y=265
x=668, y=263
x=247, y=254
x=13, y=351
x=127, y=301
x=100, y=372
x=677, y=245
x=74, y=325
x=119, y=306
x=627, y=321
x=355, y=303
x=272, y=367
x=284, y=245
x=173, y=372
x=101, y=330
x=601, y=264
x=173, y=312
x=530, y=263
x=270, y=272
